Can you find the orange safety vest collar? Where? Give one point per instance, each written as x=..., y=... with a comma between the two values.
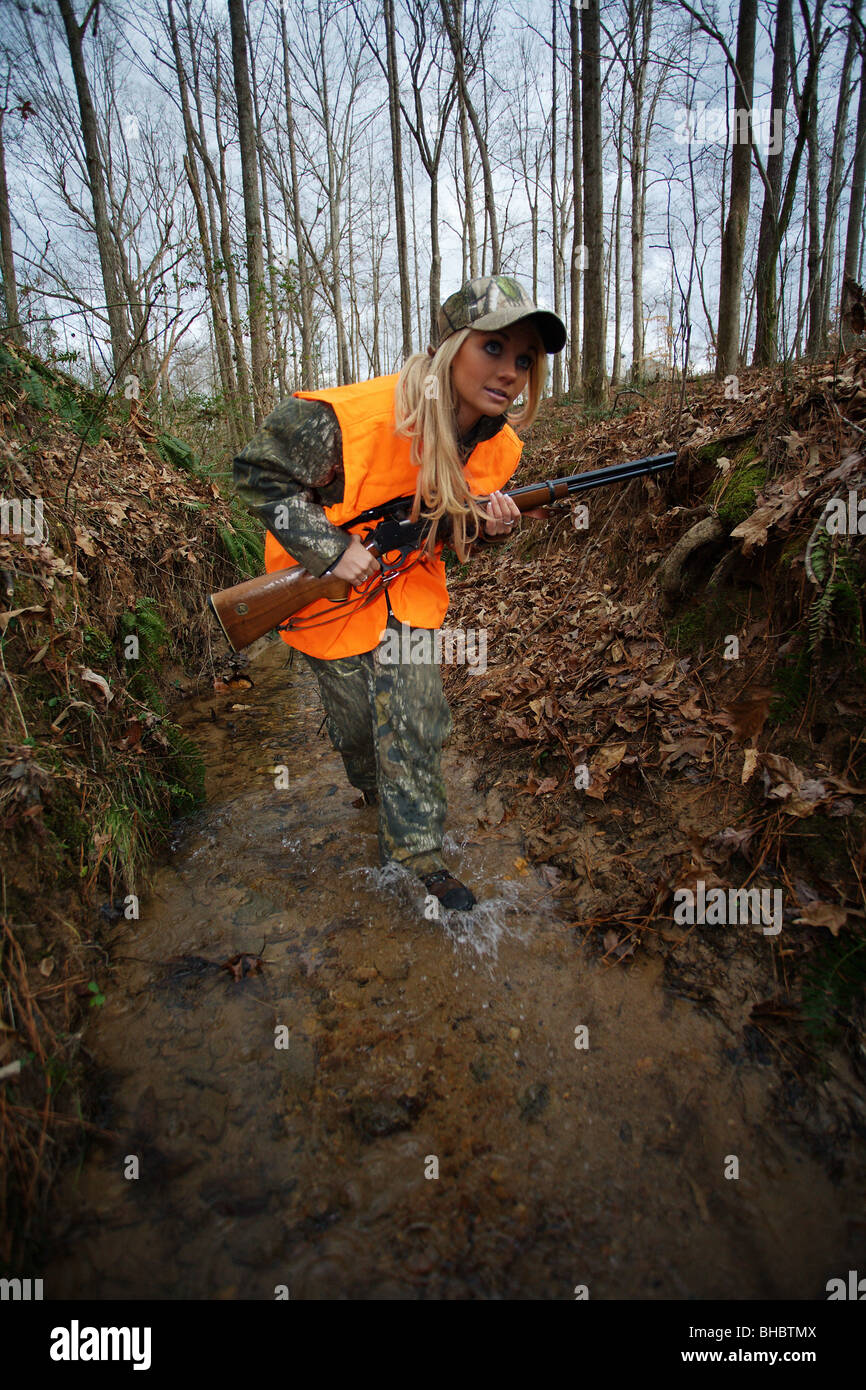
x=378, y=467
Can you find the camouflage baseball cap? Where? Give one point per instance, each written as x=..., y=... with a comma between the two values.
x=496, y=302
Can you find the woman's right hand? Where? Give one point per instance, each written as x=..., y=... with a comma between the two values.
x=356, y=564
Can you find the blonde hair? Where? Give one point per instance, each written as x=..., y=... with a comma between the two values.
x=425, y=411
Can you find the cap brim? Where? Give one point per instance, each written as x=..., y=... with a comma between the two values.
x=550, y=327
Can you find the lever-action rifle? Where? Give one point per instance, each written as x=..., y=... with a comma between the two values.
x=276, y=600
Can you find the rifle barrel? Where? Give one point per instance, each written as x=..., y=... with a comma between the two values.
x=557, y=488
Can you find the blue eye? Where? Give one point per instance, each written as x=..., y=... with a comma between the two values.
x=494, y=347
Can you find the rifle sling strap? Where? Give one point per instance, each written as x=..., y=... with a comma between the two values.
x=349, y=607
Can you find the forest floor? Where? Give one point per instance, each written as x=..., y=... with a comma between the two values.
x=583, y=1066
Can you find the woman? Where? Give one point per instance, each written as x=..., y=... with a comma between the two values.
x=438, y=431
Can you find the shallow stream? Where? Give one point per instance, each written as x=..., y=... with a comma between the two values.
x=397, y=1107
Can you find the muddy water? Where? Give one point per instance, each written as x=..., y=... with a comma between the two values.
x=430, y=1130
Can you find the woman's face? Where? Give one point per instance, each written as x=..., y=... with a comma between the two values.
x=490, y=371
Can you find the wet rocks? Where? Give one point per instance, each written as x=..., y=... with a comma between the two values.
x=256, y=1245
x=481, y=1068
x=534, y=1101
x=299, y=1062
x=393, y=969
x=374, y=1118
x=363, y=974
x=235, y=1195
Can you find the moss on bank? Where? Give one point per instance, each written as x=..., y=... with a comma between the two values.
x=734, y=493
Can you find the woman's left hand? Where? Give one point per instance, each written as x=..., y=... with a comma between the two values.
x=502, y=515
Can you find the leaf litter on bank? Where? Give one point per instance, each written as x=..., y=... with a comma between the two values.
x=91, y=767
x=692, y=771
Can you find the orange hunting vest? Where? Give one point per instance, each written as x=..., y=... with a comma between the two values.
x=378, y=467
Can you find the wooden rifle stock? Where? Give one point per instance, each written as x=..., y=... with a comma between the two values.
x=249, y=610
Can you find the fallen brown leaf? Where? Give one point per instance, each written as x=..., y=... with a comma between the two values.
x=242, y=964
x=824, y=915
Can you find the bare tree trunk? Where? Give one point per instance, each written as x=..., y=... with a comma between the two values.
x=566, y=210
x=608, y=261
x=222, y=342
x=218, y=317
x=354, y=315
x=556, y=384
x=293, y=342
x=855, y=211
x=734, y=241
x=423, y=58
x=201, y=147
x=376, y=260
x=452, y=15
x=577, y=263
x=484, y=226
x=766, y=349
x=798, y=347
x=397, y=167
x=617, y=227
x=257, y=301
x=142, y=359
x=344, y=366
x=487, y=201
x=418, y=319
x=304, y=286
x=469, y=204
x=834, y=183
x=813, y=195
x=219, y=183
x=593, y=202
x=108, y=257
x=534, y=217
x=435, y=255
x=640, y=13
x=529, y=154
x=7, y=258
x=277, y=357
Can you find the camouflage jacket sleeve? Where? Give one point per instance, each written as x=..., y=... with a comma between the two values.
x=289, y=472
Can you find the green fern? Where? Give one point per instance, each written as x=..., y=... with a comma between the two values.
x=244, y=543
x=184, y=771
x=831, y=983
x=149, y=626
x=837, y=610
x=793, y=683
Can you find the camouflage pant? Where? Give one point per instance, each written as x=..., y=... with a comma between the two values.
x=388, y=721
